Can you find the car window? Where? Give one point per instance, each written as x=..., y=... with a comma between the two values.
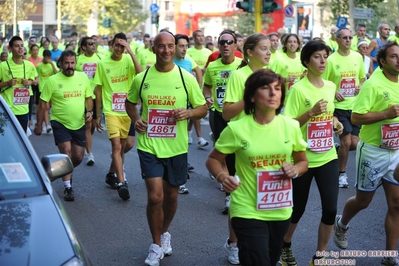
x=19, y=176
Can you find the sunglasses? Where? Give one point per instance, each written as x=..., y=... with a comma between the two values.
x=347, y=38
x=223, y=42
x=90, y=43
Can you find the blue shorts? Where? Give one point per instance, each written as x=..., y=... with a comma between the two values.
x=63, y=134
x=344, y=116
x=173, y=170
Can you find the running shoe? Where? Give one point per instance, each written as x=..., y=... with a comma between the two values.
x=68, y=194
x=111, y=180
x=183, y=189
x=287, y=257
x=340, y=235
x=202, y=142
x=343, y=180
x=390, y=261
x=123, y=191
x=48, y=129
x=226, y=207
x=190, y=168
x=319, y=261
x=90, y=159
x=166, y=246
x=190, y=138
x=155, y=254
x=232, y=253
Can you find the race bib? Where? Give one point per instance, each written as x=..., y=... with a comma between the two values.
x=21, y=96
x=274, y=191
x=118, y=102
x=161, y=124
x=320, y=136
x=89, y=69
x=390, y=136
x=347, y=87
x=220, y=95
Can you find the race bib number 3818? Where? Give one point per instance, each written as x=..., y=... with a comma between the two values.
x=161, y=124
x=274, y=191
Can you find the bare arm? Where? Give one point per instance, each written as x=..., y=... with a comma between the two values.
x=89, y=107
x=231, y=110
x=198, y=75
x=99, y=96
x=370, y=118
x=136, y=63
x=319, y=108
x=373, y=44
x=207, y=91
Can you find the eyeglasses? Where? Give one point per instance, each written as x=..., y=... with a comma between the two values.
x=223, y=42
x=90, y=43
x=24, y=53
x=347, y=37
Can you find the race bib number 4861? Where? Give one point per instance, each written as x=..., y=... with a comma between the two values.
x=274, y=191
x=161, y=124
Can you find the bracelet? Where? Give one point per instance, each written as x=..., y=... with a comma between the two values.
x=90, y=111
x=207, y=97
x=297, y=173
x=223, y=172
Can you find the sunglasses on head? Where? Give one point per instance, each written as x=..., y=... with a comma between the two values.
x=347, y=38
x=223, y=42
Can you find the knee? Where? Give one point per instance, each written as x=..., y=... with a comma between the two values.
x=346, y=141
x=393, y=205
x=328, y=216
x=155, y=198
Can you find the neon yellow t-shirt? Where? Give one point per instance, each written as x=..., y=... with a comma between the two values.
x=115, y=77
x=217, y=75
x=318, y=131
x=274, y=56
x=253, y=155
x=44, y=71
x=200, y=56
x=161, y=93
x=286, y=66
x=354, y=42
x=377, y=94
x=235, y=87
x=193, y=63
x=333, y=44
x=345, y=72
x=393, y=38
x=88, y=65
x=146, y=58
x=68, y=96
x=17, y=97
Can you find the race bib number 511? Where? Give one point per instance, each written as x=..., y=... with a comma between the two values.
x=274, y=191
x=161, y=124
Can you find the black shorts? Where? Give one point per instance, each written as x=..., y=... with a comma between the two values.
x=344, y=116
x=63, y=134
x=94, y=109
x=132, y=131
x=173, y=170
x=36, y=93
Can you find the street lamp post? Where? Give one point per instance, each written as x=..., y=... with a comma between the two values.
x=14, y=30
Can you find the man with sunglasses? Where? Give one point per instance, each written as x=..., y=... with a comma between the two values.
x=345, y=68
x=87, y=62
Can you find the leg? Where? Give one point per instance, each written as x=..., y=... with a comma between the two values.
x=355, y=204
x=354, y=142
x=197, y=127
x=392, y=218
x=169, y=204
x=66, y=148
x=155, y=215
x=88, y=137
x=343, y=151
x=129, y=144
x=117, y=157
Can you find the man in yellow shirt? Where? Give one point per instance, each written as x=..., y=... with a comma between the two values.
x=361, y=33
x=199, y=53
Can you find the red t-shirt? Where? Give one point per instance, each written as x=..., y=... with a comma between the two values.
x=215, y=55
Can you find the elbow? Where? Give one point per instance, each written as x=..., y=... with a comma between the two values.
x=225, y=115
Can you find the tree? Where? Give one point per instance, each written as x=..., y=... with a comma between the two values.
x=386, y=12
x=244, y=23
x=24, y=8
x=126, y=15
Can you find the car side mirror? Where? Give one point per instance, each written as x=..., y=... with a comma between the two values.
x=57, y=165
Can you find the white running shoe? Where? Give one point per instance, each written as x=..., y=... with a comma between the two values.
x=183, y=189
x=226, y=207
x=202, y=142
x=343, y=180
x=90, y=159
x=48, y=129
x=190, y=138
x=155, y=254
x=390, y=261
x=340, y=235
x=232, y=253
x=166, y=246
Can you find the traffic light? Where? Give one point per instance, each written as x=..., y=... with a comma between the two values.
x=107, y=23
x=246, y=5
x=269, y=6
x=155, y=18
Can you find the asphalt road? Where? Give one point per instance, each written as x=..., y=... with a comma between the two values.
x=114, y=232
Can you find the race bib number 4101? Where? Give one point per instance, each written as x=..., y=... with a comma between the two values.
x=274, y=191
x=161, y=124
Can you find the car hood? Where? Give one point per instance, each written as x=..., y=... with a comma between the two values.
x=32, y=232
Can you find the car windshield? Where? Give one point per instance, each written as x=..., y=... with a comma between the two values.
x=19, y=178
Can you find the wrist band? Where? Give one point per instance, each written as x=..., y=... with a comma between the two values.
x=217, y=177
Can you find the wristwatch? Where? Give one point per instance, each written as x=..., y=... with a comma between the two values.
x=90, y=111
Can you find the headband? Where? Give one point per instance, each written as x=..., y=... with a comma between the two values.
x=360, y=43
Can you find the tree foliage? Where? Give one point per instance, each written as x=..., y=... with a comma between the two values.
x=24, y=8
x=126, y=15
x=244, y=23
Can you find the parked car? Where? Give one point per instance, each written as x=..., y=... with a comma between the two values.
x=34, y=226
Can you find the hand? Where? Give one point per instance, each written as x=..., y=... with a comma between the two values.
x=393, y=111
x=209, y=102
x=38, y=129
x=320, y=107
x=141, y=126
x=291, y=171
x=12, y=82
x=98, y=125
x=34, y=82
x=25, y=82
x=180, y=114
x=338, y=126
x=357, y=89
x=88, y=117
x=339, y=97
x=230, y=184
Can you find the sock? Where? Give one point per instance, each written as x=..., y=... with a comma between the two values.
x=341, y=225
x=67, y=184
x=286, y=245
x=341, y=172
x=316, y=258
x=231, y=243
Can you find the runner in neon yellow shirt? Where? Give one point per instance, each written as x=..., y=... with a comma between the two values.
x=113, y=77
x=165, y=91
x=70, y=93
x=199, y=53
x=274, y=42
x=289, y=64
x=261, y=200
x=16, y=76
x=395, y=37
x=376, y=109
x=361, y=33
x=311, y=102
x=332, y=41
x=87, y=63
x=345, y=68
x=256, y=56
